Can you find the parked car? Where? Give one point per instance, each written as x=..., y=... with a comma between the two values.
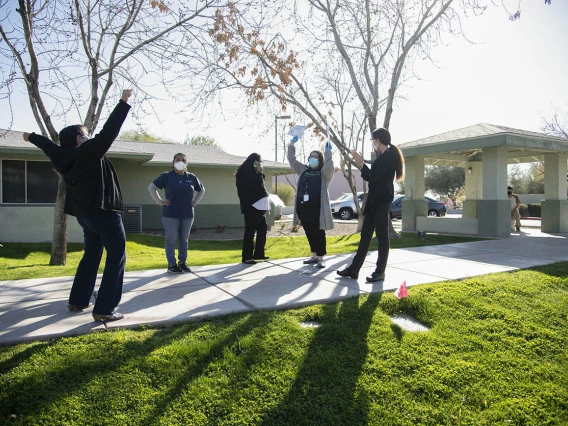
x=344, y=207
x=435, y=208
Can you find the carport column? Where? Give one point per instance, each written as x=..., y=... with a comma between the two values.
x=473, y=188
x=414, y=204
x=554, y=208
x=494, y=209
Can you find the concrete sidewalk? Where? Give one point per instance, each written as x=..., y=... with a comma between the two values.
x=37, y=308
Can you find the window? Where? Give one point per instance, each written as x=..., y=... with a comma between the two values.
x=28, y=182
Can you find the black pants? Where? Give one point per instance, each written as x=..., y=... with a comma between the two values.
x=103, y=230
x=309, y=216
x=255, y=222
x=377, y=222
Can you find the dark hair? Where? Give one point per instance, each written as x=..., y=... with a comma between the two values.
x=68, y=136
x=510, y=187
x=399, y=163
x=320, y=158
x=384, y=137
x=249, y=162
x=179, y=153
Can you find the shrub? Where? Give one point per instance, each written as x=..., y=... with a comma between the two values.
x=286, y=194
x=524, y=210
x=534, y=210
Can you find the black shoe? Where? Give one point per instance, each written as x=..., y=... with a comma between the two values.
x=518, y=228
x=347, y=273
x=106, y=318
x=311, y=260
x=184, y=267
x=375, y=277
x=75, y=308
x=249, y=262
x=262, y=258
x=174, y=269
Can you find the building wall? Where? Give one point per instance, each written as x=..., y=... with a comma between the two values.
x=219, y=205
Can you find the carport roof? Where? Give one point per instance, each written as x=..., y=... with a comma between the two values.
x=457, y=147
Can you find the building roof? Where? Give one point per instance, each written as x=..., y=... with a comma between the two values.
x=151, y=153
x=462, y=145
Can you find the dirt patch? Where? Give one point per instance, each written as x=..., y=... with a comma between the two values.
x=280, y=229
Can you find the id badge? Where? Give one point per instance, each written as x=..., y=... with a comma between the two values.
x=306, y=197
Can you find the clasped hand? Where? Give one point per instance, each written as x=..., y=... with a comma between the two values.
x=358, y=158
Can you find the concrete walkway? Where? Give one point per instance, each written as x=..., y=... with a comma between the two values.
x=37, y=308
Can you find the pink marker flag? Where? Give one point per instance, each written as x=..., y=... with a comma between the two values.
x=327, y=132
x=401, y=291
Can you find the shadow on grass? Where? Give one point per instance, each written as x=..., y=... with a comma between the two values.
x=23, y=250
x=325, y=390
x=558, y=270
x=73, y=368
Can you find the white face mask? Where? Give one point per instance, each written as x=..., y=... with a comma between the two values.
x=180, y=165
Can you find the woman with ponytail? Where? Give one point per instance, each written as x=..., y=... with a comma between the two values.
x=388, y=165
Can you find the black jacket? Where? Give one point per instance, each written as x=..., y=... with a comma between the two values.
x=90, y=179
x=250, y=187
x=381, y=180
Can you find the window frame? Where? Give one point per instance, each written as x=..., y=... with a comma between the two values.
x=25, y=203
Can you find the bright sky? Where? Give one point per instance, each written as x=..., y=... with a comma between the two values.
x=516, y=74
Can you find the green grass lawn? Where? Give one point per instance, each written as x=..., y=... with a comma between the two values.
x=25, y=260
x=496, y=354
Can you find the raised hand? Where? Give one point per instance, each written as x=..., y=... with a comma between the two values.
x=126, y=94
x=26, y=136
x=328, y=146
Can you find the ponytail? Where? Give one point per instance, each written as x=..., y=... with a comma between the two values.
x=399, y=163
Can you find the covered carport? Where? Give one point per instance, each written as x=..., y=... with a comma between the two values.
x=484, y=151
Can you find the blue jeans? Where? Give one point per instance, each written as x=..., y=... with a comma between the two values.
x=103, y=230
x=177, y=229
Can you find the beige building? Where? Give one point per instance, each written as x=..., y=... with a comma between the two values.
x=28, y=186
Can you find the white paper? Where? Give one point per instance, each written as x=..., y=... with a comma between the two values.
x=297, y=130
x=262, y=204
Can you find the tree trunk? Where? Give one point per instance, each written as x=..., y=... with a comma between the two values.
x=393, y=235
x=59, y=243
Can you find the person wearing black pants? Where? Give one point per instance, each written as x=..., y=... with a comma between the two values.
x=93, y=195
x=254, y=201
x=388, y=164
x=312, y=207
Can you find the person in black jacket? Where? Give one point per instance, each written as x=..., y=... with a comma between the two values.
x=93, y=196
x=254, y=204
x=388, y=164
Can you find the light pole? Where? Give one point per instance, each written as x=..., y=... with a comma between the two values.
x=276, y=118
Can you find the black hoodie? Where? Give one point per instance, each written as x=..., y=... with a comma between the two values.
x=91, y=181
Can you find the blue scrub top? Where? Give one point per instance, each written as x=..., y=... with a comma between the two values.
x=179, y=190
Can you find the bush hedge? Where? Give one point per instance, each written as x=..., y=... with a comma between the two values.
x=529, y=210
x=286, y=194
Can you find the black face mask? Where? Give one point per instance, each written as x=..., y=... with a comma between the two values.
x=509, y=193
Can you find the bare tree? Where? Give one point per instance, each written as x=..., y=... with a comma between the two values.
x=341, y=65
x=69, y=54
x=557, y=125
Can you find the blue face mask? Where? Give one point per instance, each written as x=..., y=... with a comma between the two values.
x=313, y=162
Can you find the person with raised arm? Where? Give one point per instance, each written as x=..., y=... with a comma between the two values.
x=94, y=197
x=312, y=207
